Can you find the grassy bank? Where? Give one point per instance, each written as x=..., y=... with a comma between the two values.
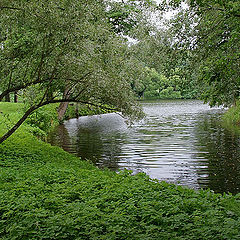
x=44, y=119
x=231, y=118
x=46, y=193
x=38, y=124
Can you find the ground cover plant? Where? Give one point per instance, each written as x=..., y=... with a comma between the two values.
x=46, y=193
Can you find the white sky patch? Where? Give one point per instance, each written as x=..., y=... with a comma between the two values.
x=160, y=19
x=131, y=40
x=170, y=14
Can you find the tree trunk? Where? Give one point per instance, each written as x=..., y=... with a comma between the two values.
x=7, y=98
x=77, y=110
x=15, y=97
x=62, y=110
x=64, y=105
x=18, y=124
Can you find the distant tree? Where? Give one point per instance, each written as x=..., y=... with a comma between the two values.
x=162, y=54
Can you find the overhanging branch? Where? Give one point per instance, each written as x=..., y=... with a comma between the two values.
x=11, y=8
x=20, y=87
x=41, y=104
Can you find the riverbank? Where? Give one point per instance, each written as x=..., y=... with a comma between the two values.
x=231, y=118
x=47, y=193
x=45, y=118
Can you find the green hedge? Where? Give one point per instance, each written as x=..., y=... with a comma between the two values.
x=46, y=193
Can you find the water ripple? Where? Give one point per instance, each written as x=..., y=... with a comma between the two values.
x=179, y=141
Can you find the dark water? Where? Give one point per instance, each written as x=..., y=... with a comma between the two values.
x=179, y=141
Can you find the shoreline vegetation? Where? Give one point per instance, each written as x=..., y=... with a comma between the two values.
x=47, y=193
x=56, y=54
x=231, y=119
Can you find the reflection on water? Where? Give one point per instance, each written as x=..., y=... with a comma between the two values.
x=179, y=141
x=220, y=150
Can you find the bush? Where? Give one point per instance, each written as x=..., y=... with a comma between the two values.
x=232, y=116
x=169, y=93
x=44, y=118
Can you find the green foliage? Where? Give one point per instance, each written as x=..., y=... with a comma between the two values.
x=74, y=110
x=157, y=86
x=169, y=93
x=44, y=118
x=127, y=16
x=53, y=199
x=63, y=51
x=165, y=65
x=211, y=30
x=39, y=123
x=231, y=119
x=46, y=193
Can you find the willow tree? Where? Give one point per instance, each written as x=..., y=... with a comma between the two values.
x=63, y=51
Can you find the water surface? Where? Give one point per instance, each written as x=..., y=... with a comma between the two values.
x=179, y=141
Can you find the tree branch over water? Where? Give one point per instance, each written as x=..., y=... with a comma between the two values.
x=41, y=104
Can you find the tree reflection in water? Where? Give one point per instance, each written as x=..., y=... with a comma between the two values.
x=221, y=148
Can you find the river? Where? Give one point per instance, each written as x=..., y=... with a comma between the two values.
x=180, y=141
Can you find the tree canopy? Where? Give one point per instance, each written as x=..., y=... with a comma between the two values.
x=77, y=51
x=211, y=31
x=66, y=51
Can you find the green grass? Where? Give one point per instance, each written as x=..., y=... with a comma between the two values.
x=7, y=108
x=231, y=119
x=232, y=116
x=10, y=113
x=38, y=124
x=46, y=193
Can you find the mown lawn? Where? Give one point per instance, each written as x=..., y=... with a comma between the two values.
x=46, y=193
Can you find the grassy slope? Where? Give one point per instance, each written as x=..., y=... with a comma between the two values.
x=231, y=119
x=46, y=193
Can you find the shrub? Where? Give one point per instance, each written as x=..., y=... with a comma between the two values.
x=44, y=118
